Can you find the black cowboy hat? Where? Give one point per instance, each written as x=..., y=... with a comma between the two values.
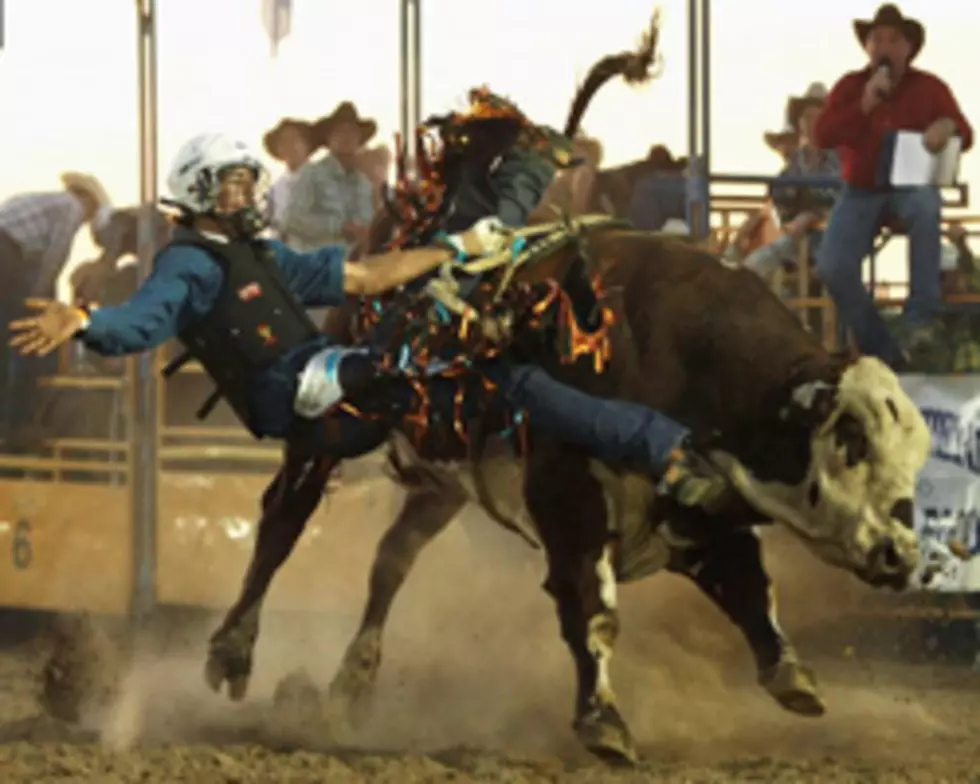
x=345, y=112
x=888, y=15
x=272, y=139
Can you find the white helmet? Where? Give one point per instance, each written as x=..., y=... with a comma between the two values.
x=195, y=175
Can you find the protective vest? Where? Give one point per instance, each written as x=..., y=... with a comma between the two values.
x=255, y=321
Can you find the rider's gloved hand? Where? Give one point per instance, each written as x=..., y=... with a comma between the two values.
x=485, y=237
x=693, y=481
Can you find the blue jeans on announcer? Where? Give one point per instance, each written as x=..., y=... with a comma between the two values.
x=849, y=238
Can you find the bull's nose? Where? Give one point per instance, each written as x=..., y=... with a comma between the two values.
x=902, y=511
x=885, y=558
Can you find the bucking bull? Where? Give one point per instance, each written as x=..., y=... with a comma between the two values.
x=826, y=445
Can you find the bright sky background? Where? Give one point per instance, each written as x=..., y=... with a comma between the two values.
x=68, y=72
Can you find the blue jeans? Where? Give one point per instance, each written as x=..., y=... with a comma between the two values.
x=613, y=430
x=850, y=237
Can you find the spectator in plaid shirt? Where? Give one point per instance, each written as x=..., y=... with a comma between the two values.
x=332, y=201
x=292, y=142
x=36, y=235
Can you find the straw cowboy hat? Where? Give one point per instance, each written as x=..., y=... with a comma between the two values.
x=272, y=140
x=781, y=140
x=86, y=183
x=815, y=95
x=888, y=15
x=345, y=112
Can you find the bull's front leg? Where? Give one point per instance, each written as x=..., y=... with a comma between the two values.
x=287, y=504
x=730, y=571
x=427, y=512
x=569, y=508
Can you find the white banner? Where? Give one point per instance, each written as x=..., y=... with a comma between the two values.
x=947, y=499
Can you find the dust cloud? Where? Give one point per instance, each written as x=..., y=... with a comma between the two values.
x=473, y=657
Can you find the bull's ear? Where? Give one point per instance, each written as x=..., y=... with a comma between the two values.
x=810, y=404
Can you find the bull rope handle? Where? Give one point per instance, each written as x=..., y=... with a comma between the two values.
x=444, y=289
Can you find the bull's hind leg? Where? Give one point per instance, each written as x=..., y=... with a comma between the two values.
x=568, y=505
x=287, y=505
x=426, y=513
x=730, y=571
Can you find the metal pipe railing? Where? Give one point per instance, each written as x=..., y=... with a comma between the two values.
x=961, y=190
x=144, y=428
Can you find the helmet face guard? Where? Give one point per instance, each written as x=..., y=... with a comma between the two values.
x=244, y=224
x=241, y=224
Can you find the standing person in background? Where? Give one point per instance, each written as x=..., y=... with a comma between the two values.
x=375, y=164
x=332, y=200
x=37, y=231
x=292, y=142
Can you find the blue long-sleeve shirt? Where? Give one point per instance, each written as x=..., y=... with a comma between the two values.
x=184, y=285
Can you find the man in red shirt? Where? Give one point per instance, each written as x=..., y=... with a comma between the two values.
x=862, y=109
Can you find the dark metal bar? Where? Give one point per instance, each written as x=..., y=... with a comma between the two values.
x=706, y=86
x=953, y=196
x=692, y=79
x=403, y=125
x=417, y=61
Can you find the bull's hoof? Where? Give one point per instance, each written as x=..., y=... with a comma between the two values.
x=298, y=702
x=603, y=732
x=229, y=661
x=349, y=696
x=83, y=675
x=794, y=687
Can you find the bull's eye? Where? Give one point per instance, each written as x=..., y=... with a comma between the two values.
x=890, y=404
x=849, y=434
x=813, y=494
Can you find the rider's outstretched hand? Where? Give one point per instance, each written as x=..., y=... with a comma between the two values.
x=55, y=323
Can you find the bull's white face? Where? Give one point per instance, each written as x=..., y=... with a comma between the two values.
x=854, y=508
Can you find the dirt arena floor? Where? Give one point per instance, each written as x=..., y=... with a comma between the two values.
x=477, y=686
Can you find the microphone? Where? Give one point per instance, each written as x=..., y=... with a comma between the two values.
x=884, y=65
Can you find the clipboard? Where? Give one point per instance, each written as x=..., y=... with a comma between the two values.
x=909, y=164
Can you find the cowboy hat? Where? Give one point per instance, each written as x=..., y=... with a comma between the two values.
x=779, y=141
x=815, y=95
x=86, y=183
x=888, y=15
x=345, y=112
x=273, y=138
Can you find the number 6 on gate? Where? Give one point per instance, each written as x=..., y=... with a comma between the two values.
x=21, y=550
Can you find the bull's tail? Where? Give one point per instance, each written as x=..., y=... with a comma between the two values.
x=636, y=67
